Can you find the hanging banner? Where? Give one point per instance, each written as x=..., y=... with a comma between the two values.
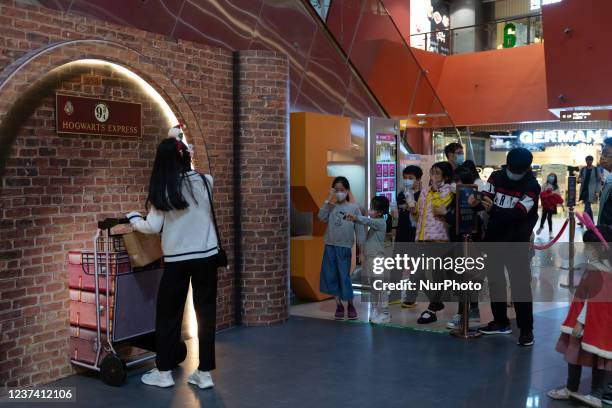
x=101, y=117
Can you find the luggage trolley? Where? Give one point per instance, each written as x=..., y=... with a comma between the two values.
x=124, y=307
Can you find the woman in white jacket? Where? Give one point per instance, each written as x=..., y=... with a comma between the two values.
x=179, y=209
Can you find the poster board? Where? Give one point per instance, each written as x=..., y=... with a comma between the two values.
x=466, y=221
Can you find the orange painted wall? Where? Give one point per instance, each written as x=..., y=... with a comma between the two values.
x=499, y=86
x=578, y=64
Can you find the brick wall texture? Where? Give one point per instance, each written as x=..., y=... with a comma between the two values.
x=55, y=188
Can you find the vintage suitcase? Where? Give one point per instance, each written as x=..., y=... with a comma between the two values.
x=79, y=279
x=82, y=345
x=84, y=315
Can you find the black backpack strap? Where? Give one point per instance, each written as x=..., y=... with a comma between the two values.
x=212, y=209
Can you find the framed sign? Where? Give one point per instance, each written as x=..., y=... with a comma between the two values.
x=92, y=116
x=466, y=218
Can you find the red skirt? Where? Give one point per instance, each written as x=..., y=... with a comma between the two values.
x=573, y=353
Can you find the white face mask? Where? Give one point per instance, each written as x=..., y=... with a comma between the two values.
x=408, y=183
x=340, y=196
x=513, y=176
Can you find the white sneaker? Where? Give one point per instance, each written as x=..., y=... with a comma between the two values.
x=455, y=322
x=589, y=400
x=201, y=378
x=158, y=378
x=373, y=315
x=381, y=318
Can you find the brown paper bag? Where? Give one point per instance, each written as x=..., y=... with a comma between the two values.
x=143, y=249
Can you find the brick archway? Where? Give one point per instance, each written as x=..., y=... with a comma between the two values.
x=53, y=189
x=16, y=80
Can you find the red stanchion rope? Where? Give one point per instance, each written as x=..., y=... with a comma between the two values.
x=549, y=244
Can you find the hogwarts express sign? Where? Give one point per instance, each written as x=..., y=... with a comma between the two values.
x=92, y=116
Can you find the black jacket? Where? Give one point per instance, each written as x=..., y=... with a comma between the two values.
x=515, y=207
x=405, y=232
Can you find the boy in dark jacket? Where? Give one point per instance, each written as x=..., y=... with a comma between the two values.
x=511, y=199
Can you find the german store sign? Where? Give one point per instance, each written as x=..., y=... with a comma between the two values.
x=92, y=116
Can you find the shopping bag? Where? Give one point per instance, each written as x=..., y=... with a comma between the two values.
x=143, y=249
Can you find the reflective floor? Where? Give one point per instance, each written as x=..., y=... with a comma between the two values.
x=317, y=362
x=314, y=362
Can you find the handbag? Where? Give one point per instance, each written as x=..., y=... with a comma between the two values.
x=143, y=249
x=221, y=260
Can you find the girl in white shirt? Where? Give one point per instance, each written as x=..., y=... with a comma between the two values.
x=179, y=209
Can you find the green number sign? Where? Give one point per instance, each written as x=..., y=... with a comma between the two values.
x=509, y=35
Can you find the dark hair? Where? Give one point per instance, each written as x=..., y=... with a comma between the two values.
x=464, y=175
x=519, y=160
x=446, y=169
x=555, y=185
x=169, y=171
x=590, y=237
x=452, y=148
x=414, y=170
x=345, y=183
x=588, y=158
x=471, y=166
x=381, y=204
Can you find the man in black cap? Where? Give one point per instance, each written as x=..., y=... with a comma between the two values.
x=511, y=199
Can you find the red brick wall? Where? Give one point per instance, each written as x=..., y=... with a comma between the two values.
x=265, y=187
x=55, y=187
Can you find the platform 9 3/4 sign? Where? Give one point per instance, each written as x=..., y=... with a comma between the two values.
x=91, y=116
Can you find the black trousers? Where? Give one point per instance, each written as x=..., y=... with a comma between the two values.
x=574, y=373
x=519, y=272
x=171, y=298
x=546, y=214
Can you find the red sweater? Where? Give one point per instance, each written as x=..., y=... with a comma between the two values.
x=550, y=199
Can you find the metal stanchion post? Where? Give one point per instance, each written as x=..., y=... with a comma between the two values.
x=571, y=202
x=465, y=332
x=570, y=258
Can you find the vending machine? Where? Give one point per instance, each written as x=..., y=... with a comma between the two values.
x=385, y=152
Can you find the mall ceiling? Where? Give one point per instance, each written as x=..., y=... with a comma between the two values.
x=321, y=78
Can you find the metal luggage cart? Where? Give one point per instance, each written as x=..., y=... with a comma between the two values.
x=125, y=302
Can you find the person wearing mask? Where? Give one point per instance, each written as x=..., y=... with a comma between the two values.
x=340, y=236
x=431, y=227
x=180, y=211
x=454, y=154
x=379, y=225
x=511, y=199
x=590, y=184
x=406, y=223
x=551, y=197
x=462, y=175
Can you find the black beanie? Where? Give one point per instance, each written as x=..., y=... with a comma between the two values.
x=519, y=160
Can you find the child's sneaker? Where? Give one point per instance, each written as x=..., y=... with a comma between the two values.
x=559, y=394
x=455, y=322
x=339, y=312
x=201, y=378
x=589, y=400
x=427, y=317
x=382, y=318
x=352, y=312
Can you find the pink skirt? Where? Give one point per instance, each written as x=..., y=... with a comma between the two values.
x=569, y=346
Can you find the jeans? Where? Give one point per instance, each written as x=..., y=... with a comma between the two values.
x=336, y=272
